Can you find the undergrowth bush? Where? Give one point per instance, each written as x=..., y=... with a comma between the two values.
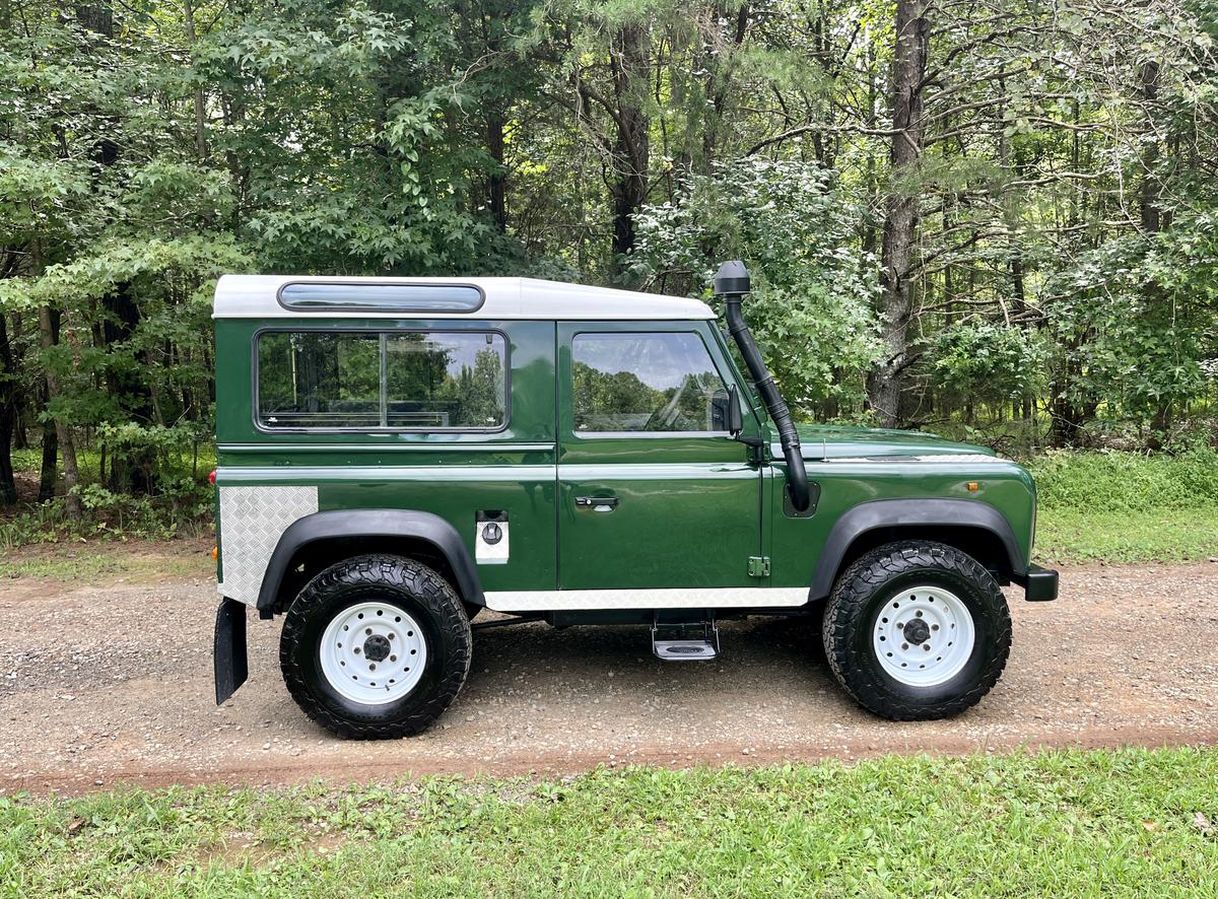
x=187, y=512
x=180, y=500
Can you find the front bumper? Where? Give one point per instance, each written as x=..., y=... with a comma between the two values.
x=1039, y=584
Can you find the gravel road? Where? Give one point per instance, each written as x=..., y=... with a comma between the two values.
x=112, y=683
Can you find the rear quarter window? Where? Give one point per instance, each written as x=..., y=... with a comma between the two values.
x=362, y=380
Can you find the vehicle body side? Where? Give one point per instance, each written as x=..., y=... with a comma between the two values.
x=701, y=515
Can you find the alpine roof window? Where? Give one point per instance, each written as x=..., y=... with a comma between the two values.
x=336, y=296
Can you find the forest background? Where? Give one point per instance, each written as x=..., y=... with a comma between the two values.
x=992, y=219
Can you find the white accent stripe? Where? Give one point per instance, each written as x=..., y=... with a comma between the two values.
x=357, y=474
x=682, y=598
x=944, y=459
x=386, y=447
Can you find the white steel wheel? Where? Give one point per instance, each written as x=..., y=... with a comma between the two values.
x=373, y=653
x=923, y=636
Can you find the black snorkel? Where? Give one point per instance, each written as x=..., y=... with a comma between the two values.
x=732, y=283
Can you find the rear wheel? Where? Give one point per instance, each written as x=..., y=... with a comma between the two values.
x=917, y=630
x=375, y=647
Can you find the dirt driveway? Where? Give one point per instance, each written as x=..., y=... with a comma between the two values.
x=112, y=682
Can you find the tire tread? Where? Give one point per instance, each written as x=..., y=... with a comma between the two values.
x=846, y=612
x=426, y=587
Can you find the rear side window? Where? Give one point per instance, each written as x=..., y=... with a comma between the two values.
x=367, y=380
x=662, y=381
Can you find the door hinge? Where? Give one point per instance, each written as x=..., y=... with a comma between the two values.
x=759, y=566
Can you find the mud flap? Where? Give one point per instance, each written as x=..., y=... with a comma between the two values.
x=231, y=662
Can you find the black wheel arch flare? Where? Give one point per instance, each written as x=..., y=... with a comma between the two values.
x=370, y=524
x=911, y=514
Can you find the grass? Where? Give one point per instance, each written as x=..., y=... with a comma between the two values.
x=1125, y=482
x=1159, y=535
x=1126, y=507
x=1065, y=824
x=87, y=563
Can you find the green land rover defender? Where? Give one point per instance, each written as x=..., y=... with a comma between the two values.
x=396, y=455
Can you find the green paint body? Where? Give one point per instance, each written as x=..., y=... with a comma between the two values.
x=692, y=509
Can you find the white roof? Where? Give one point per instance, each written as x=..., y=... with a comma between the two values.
x=257, y=296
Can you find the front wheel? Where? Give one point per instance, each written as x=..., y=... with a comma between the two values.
x=375, y=647
x=917, y=630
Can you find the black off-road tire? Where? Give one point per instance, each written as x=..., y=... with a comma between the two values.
x=866, y=588
x=425, y=596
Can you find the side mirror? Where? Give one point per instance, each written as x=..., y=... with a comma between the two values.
x=735, y=415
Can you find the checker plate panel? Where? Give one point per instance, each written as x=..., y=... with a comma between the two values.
x=252, y=519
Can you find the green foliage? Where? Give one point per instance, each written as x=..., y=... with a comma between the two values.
x=1133, y=320
x=1063, y=215
x=1066, y=824
x=178, y=500
x=347, y=138
x=987, y=363
x=792, y=223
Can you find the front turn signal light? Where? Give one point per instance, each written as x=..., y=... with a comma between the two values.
x=215, y=553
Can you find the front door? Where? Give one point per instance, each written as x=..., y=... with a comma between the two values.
x=653, y=491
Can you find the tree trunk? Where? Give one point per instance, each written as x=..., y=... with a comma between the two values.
x=1150, y=213
x=1068, y=415
x=719, y=80
x=8, y=417
x=1151, y=188
x=200, y=105
x=48, y=474
x=48, y=329
x=629, y=62
x=901, y=211
x=496, y=181
x=132, y=470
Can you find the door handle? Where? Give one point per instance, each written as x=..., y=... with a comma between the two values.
x=597, y=503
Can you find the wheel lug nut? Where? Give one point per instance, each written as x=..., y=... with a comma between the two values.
x=934, y=627
x=356, y=650
x=926, y=646
x=905, y=646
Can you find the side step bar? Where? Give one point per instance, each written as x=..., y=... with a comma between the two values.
x=695, y=641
